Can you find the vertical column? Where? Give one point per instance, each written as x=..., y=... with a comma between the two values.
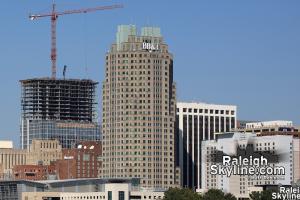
x=193, y=150
x=198, y=153
x=187, y=148
x=180, y=114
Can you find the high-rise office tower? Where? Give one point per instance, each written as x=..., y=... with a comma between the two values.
x=138, y=105
x=196, y=122
x=62, y=109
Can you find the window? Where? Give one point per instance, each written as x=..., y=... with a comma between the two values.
x=86, y=157
x=121, y=195
x=109, y=195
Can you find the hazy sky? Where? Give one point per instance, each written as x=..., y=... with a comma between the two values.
x=245, y=53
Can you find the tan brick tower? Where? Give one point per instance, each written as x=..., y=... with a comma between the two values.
x=138, y=105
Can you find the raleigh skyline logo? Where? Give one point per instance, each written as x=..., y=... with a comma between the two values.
x=287, y=193
x=258, y=165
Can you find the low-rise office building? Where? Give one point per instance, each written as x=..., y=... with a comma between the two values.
x=34, y=172
x=74, y=189
x=83, y=161
x=10, y=157
x=268, y=126
x=44, y=152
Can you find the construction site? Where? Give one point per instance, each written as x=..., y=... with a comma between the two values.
x=58, y=99
x=59, y=108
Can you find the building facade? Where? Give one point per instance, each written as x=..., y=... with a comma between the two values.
x=82, y=161
x=10, y=157
x=196, y=122
x=269, y=126
x=92, y=189
x=66, y=132
x=34, y=172
x=62, y=109
x=240, y=185
x=138, y=108
x=43, y=152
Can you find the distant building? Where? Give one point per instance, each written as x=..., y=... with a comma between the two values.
x=95, y=189
x=34, y=172
x=268, y=126
x=43, y=152
x=10, y=157
x=240, y=185
x=241, y=124
x=6, y=144
x=196, y=122
x=296, y=149
x=62, y=109
x=83, y=161
x=74, y=189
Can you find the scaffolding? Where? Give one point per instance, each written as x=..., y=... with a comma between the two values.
x=58, y=99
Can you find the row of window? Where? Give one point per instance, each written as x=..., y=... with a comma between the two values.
x=211, y=111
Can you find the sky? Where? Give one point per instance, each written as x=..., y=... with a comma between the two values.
x=244, y=53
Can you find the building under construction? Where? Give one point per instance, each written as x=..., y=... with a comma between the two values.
x=62, y=109
x=58, y=99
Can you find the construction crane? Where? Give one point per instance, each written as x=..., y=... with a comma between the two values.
x=54, y=16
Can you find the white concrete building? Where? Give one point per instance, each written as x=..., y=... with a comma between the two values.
x=74, y=189
x=269, y=124
x=240, y=185
x=6, y=144
x=112, y=191
x=196, y=122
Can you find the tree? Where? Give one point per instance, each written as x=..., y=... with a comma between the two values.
x=181, y=194
x=264, y=195
x=255, y=195
x=229, y=196
x=214, y=194
x=188, y=194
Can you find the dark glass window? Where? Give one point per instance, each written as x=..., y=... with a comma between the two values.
x=211, y=125
x=217, y=130
x=206, y=127
x=222, y=125
x=121, y=195
x=201, y=128
x=227, y=124
x=185, y=150
x=190, y=132
x=196, y=147
x=232, y=122
x=109, y=195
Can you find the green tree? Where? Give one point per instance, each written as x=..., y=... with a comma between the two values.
x=188, y=194
x=264, y=195
x=214, y=194
x=181, y=194
x=229, y=196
